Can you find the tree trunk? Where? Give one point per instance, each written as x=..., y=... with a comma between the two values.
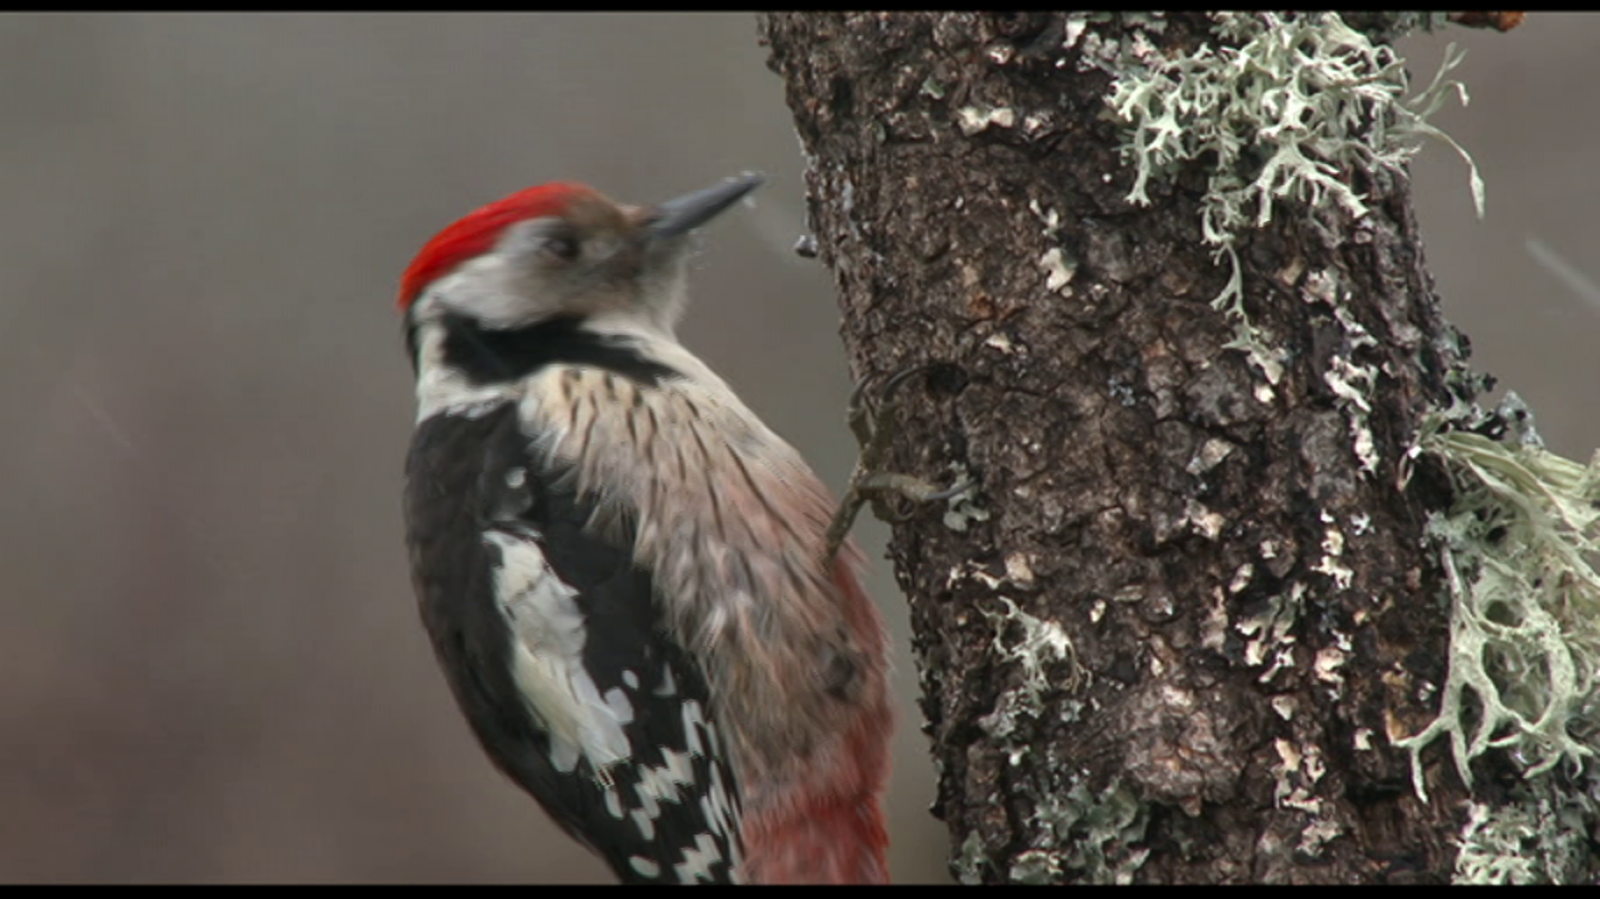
x=1176, y=632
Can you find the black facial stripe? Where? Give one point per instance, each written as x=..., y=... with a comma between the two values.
x=411, y=340
x=490, y=356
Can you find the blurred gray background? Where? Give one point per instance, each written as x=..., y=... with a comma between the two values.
x=210, y=663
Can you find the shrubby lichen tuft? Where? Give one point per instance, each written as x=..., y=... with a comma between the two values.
x=1516, y=547
x=1282, y=108
x=1290, y=112
x=1539, y=836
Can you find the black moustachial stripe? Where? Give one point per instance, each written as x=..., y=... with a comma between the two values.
x=494, y=355
x=472, y=476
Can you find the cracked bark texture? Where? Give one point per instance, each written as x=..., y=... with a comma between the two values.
x=1252, y=615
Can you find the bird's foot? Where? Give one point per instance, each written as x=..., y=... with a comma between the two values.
x=894, y=496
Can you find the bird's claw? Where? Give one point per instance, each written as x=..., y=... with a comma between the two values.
x=894, y=496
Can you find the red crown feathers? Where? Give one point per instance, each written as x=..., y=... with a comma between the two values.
x=476, y=232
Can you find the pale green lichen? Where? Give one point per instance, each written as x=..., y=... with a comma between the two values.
x=1516, y=548
x=1352, y=383
x=1093, y=836
x=962, y=509
x=1282, y=108
x=969, y=861
x=1042, y=642
x=1096, y=833
x=1289, y=106
x=1270, y=629
x=1538, y=837
x=1036, y=866
x=1089, y=834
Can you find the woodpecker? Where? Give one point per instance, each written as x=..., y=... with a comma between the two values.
x=623, y=571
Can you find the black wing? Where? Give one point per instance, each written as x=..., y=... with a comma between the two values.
x=668, y=811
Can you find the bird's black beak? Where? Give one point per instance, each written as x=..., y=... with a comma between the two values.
x=690, y=211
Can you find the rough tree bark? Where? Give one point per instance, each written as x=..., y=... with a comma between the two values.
x=1176, y=632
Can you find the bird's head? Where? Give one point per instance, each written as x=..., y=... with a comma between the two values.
x=562, y=250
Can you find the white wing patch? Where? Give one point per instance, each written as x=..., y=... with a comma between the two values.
x=716, y=802
x=697, y=860
x=644, y=867
x=717, y=806
x=664, y=783
x=548, y=637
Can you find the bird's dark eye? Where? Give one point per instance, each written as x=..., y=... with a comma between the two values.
x=559, y=248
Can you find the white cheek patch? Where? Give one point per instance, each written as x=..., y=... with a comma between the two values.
x=487, y=289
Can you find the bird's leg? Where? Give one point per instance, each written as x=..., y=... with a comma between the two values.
x=874, y=421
